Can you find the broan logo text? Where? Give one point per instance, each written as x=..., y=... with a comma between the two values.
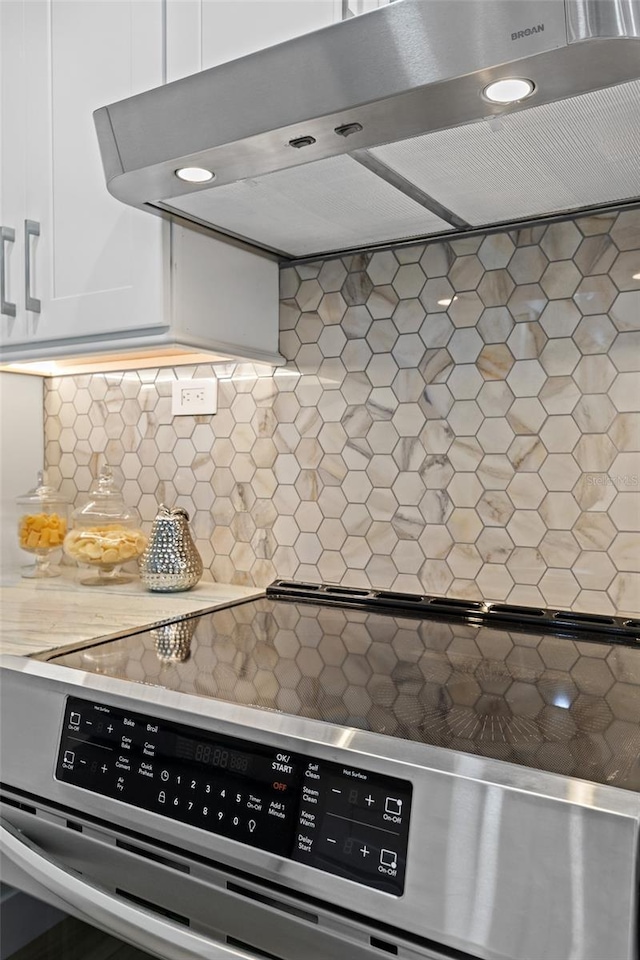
x=528, y=32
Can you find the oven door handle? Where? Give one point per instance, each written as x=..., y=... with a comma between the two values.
x=116, y=916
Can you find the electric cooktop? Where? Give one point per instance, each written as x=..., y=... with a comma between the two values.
x=550, y=690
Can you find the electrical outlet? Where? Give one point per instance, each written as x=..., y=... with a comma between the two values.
x=194, y=397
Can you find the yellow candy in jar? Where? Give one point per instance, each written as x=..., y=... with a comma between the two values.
x=41, y=526
x=41, y=531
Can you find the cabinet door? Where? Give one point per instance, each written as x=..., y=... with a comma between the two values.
x=97, y=264
x=355, y=7
x=205, y=33
x=235, y=28
x=13, y=120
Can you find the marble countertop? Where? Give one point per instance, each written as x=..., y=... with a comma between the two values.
x=40, y=615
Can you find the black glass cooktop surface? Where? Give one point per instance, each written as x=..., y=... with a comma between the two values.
x=556, y=703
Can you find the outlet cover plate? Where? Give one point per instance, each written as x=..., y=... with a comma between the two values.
x=193, y=398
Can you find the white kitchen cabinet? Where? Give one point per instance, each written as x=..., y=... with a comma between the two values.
x=104, y=273
x=96, y=266
x=235, y=28
x=13, y=123
x=205, y=33
x=232, y=29
x=356, y=7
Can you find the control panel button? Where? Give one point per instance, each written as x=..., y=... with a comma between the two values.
x=389, y=858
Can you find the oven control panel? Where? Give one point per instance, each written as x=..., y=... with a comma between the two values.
x=343, y=820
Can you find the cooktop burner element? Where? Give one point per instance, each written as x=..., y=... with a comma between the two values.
x=544, y=689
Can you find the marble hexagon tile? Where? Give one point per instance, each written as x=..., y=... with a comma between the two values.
x=457, y=417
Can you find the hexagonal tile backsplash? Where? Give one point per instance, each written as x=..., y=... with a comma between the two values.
x=456, y=418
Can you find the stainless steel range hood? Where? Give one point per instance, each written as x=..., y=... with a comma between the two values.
x=376, y=130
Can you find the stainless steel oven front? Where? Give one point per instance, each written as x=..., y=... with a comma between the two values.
x=196, y=827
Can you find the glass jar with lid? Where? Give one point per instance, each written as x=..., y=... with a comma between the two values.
x=105, y=533
x=42, y=525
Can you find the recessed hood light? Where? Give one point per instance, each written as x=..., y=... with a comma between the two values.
x=195, y=174
x=508, y=91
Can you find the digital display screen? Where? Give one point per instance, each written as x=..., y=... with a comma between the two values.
x=213, y=756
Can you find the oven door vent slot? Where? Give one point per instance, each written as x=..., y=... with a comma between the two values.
x=153, y=907
x=582, y=617
x=347, y=591
x=271, y=902
x=456, y=604
x=255, y=951
x=152, y=855
x=384, y=945
x=516, y=611
x=292, y=585
x=10, y=802
x=399, y=597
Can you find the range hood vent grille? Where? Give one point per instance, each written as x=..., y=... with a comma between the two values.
x=555, y=157
x=326, y=205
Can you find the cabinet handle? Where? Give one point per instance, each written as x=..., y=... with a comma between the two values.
x=31, y=229
x=7, y=235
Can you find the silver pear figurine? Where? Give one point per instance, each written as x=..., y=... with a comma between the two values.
x=171, y=561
